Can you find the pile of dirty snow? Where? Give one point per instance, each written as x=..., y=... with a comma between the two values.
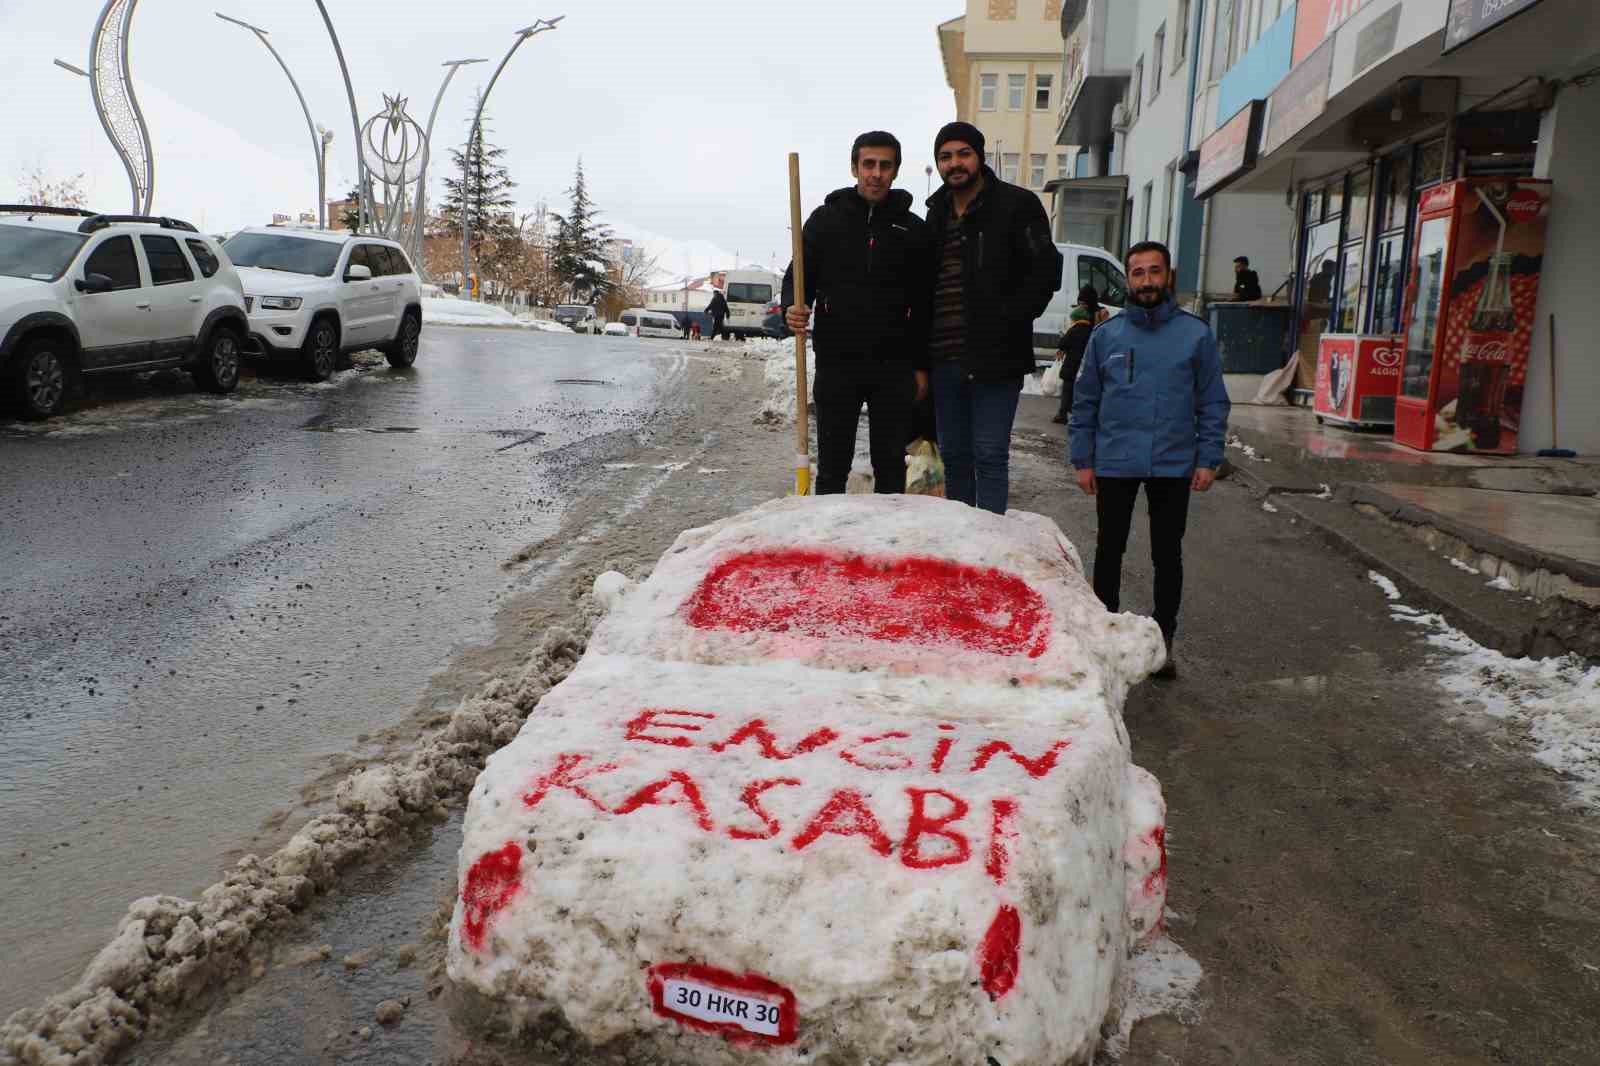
x=1555, y=702
x=445, y=311
x=845, y=779
x=543, y=325
x=780, y=407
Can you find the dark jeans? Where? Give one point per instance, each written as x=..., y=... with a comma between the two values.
x=975, y=419
x=1168, y=500
x=888, y=390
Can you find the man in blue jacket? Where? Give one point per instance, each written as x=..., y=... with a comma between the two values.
x=1150, y=409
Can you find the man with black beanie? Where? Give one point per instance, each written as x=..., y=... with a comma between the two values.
x=868, y=269
x=996, y=269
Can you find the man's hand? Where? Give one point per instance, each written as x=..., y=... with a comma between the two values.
x=1086, y=481
x=1204, y=477
x=922, y=385
x=798, y=317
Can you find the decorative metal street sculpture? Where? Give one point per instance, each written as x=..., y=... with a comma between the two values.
x=114, y=100
x=472, y=134
x=418, y=227
x=316, y=138
x=391, y=148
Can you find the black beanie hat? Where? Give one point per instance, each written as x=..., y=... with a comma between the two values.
x=965, y=132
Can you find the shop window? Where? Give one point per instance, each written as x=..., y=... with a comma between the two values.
x=1352, y=287
x=1316, y=203
x=1389, y=283
x=1396, y=192
x=1358, y=206
x=1335, y=199
x=1431, y=163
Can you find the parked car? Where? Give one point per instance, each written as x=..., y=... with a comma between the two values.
x=83, y=294
x=579, y=318
x=314, y=295
x=775, y=325
x=617, y=329
x=642, y=323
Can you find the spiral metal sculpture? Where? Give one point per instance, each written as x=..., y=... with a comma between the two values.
x=115, y=102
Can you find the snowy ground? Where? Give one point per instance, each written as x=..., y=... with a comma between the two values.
x=1555, y=703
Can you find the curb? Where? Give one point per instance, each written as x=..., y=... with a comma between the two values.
x=1480, y=539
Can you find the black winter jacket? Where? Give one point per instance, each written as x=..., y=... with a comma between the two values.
x=1011, y=270
x=869, y=270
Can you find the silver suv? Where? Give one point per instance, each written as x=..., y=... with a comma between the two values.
x=313, y=295
x=84, y=293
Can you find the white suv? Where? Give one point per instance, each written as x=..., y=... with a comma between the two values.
x=314, y=295
x=84, y=293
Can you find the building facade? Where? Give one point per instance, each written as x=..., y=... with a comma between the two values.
x=1002, y=61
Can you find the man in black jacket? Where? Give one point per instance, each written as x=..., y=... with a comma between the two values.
x=1246, y=282
x=997, y=268
x=717, y=311
x=867, y=271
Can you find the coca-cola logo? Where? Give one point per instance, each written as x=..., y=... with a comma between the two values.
x=1525, y=205
x=1495, y=351
x=1386, y=357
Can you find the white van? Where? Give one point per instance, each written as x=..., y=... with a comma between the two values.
x=1081, y=265
x=750, y=293
x=642, y=323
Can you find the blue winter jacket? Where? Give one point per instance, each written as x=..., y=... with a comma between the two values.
x=1149, y=399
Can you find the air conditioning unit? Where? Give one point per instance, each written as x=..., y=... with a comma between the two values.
x=1121, y=117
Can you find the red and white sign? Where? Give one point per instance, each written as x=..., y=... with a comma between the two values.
x=1317, y=20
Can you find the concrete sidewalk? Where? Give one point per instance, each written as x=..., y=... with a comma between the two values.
x=1506, y=548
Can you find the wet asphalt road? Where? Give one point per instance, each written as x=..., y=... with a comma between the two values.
x=207, y=603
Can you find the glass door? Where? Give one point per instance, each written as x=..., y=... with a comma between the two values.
x=1433, y=256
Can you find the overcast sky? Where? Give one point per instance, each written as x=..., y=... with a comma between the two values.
x=683, y=114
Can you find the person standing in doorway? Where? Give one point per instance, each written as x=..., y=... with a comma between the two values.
x=717, y=311
x=997, y=268
x=1149, y=409
x=868, y=270
x=1246, y=282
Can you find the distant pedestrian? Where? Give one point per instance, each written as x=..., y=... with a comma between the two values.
x=717, y=311
x=1069, y=353
x=1089, y=298
x=1246, y=282
x=868, y=264
x=997, y=267
x=1150, y=409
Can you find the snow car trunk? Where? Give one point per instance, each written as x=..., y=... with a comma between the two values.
x=845, y=780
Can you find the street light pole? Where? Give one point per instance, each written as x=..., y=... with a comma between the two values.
x=322, y=178
x=417, y=224
x=364, y=187
x=472, y=134
x=318, y=144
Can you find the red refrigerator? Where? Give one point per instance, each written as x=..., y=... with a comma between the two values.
x=1469, y=316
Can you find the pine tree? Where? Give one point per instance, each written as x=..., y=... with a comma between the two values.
x=578, y=252
x=481, y=193
x=351, y=218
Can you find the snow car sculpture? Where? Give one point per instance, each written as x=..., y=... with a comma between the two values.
x=846, y=780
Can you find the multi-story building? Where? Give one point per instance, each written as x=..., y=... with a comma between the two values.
x=1348, y=114
x=1002, y=60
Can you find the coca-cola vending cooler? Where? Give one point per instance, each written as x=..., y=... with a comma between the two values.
x=1470, y=314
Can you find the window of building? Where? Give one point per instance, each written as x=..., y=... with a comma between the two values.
x=1009, y=162
x=1168, y=181
x=1149, y=201
x=114, y=258
x=1063, y=165
x=1042, y=84
x=1036, y=165
x=988, y=89
x=1158, y=56
x=167, y=263
x=1016, y=86
x=1222, y=39
x=1138, y=87
x=1180, y=49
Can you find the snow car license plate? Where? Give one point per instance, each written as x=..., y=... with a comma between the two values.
x=716, y=1001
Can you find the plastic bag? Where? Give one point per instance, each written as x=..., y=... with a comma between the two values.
x=1050, y=383
x=924, y=469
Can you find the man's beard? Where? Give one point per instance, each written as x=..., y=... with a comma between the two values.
x=1149, y=297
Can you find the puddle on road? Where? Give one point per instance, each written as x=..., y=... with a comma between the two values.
x=581, y=381
x=1315, y=685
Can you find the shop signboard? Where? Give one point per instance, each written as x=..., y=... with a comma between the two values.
x=1298, y=99
x=1231, y=151
x=1470, y=18
x=1316, y=20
